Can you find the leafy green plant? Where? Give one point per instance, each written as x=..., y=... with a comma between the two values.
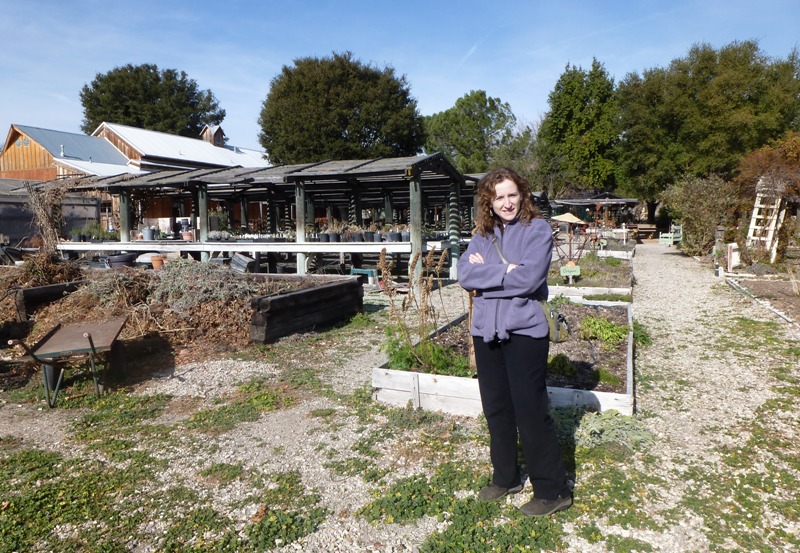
x=413, y=497
x=561, y=365
x=609, y=427
x=600, y=328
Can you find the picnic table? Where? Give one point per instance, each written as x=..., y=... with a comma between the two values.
x=59, y=349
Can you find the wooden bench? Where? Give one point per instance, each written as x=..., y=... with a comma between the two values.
x=674, y=236
x=643, y=230
x=372, y=274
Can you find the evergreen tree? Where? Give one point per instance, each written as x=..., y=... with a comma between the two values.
x=338, y=108
x=577, y=136
x=145, y=97
x=471, y=132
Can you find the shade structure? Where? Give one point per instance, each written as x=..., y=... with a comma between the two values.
x=567, y=218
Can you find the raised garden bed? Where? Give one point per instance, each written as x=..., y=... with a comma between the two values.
x=460, y=396
x=27, y=300
x=334, y=299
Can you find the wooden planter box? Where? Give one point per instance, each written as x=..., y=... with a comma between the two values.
x=619, y=254
x=27, y=300
x=336, y=298
x=460, y=396
x=573, y=292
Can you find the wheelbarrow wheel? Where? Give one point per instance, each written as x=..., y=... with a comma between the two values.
x=117, y=364
x=50, y=373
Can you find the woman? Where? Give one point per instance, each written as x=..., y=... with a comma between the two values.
x=506, y=265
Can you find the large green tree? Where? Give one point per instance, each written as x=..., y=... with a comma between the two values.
x=577, y=136
x=700, y=115
x=149, y=98
x=338, y=108
x=472, y=131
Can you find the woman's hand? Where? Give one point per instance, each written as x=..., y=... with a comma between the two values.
x=476, y=258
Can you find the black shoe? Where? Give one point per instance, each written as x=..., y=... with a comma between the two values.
x=543, y=507
x=493, y=493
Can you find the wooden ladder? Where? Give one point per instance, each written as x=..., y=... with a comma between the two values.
x=769, y=211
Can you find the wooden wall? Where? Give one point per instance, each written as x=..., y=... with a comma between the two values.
x=26, y=159
x=120, y=144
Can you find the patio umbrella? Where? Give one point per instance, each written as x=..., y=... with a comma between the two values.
x=568, y=218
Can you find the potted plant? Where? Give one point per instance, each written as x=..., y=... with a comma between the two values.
x=405, y=233
x=148, y=233
x=371, y=234
x=393, y=234
x=219, y=235
x=353, y=233
x=334, y=230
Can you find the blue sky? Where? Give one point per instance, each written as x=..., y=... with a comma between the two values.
x=515, y=51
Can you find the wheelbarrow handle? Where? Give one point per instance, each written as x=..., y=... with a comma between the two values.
x=88, y=336
x=27, y=350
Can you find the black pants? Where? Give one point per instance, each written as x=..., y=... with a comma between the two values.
x=511, y=377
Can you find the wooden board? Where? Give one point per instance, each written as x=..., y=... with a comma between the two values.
x=279, y=315
x=461, y=396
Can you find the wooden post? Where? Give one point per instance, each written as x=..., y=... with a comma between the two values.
x=272, y=212
x=415, y=220
x=388, y=210
x=454, y=226
x=202, y=217
x=124, y=216
x=242, y=213
x=354, y=205
x=300, y=223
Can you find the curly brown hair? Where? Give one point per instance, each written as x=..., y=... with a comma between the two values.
x=487, y=219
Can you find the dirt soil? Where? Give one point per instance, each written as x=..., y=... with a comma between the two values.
x=588, y=357
x=779, y=294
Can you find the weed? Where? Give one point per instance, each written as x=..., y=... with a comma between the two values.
x=223, y=473
x=609, y=297
x=253, y=399
x=607, y=377
x=641, y=334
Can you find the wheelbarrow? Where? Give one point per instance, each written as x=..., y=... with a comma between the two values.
x=65, y=343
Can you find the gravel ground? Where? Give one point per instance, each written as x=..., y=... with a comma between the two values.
x=687, y=400
x=676, y=297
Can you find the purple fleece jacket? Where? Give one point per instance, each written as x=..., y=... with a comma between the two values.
x=505, y=303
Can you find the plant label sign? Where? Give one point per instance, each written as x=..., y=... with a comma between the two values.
x=570, y=271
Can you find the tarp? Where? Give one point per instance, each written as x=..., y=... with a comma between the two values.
x=568, y=218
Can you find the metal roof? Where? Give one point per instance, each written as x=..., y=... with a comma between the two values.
x=99, y=169
x=329, y=181
x=191, y=150
x=73, y=146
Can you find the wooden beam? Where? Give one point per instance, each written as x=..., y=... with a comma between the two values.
x=454, y=226
x=124, y=216
x=202, y=216
x=300, y=223
x=415, y=220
